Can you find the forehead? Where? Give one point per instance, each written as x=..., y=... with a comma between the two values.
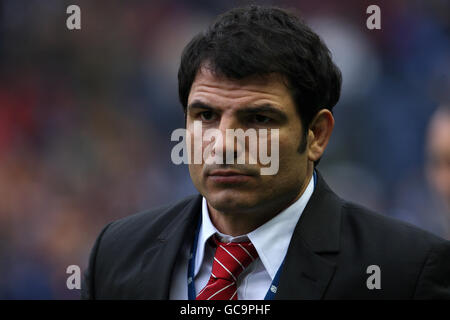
x=221, y=92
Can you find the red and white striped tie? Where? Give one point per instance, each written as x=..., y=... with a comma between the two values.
x=229, y=261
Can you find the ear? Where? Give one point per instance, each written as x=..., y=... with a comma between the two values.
x=319, y=134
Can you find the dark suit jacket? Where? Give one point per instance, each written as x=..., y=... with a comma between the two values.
x=332, y=246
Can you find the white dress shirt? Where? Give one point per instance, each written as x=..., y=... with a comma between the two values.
x=271, y=241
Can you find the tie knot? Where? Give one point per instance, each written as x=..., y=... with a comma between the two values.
x=232, y=258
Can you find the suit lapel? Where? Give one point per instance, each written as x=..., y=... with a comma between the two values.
x=159, y=259
x=306, y=274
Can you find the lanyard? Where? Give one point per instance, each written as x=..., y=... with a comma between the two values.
x=191, y=265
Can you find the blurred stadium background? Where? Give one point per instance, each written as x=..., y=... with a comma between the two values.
x=86, y=118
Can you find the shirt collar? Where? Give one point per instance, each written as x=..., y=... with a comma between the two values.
x=271, y=240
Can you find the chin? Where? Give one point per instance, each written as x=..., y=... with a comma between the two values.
x=229, y=201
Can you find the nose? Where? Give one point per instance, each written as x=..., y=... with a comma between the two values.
x=230, y=149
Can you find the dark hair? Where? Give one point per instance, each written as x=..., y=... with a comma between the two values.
x=258, y=40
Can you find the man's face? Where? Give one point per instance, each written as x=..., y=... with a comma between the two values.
x=250, y=103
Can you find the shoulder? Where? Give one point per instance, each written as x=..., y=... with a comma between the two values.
x=406, y=253
x=119, y=250
x=362, y=222
x=150, y=222
x=126, y=235
x=414, y=263
x=124, y=240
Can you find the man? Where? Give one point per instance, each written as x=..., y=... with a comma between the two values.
x=438, y=163
x=254, y=236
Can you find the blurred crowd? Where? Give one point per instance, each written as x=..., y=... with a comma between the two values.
x=86, y=118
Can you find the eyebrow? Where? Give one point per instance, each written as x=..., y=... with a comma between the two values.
x=264, y=108
x=199, y=105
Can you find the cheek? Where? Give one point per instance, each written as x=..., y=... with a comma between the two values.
x=194, y=143
x=293, y=165
x=195, y=171
x=290, y=157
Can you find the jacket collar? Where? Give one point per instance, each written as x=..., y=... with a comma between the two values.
x=306, y=274
x=320, y=224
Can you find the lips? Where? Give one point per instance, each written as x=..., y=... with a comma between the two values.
x=228, y=176
x=227, y=173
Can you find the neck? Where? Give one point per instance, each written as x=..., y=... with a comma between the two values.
x=240, y=223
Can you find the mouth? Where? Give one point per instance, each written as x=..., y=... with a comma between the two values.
x=228, y=176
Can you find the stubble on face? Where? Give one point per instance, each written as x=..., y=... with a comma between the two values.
x=250, y=199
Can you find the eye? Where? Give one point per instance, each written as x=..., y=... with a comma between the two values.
x=259, y=119
x=206, y=115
